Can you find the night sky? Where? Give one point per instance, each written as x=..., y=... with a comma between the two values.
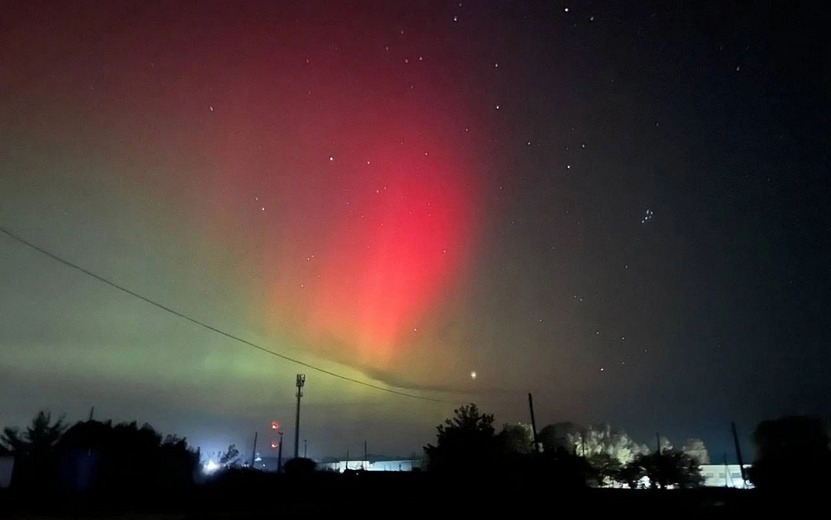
x=620, y=208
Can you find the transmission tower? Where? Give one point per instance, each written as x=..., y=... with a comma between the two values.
x=301, y=380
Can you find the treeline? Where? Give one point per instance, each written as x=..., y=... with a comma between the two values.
x=791, y=454
x=565, y=455
x=50, y=455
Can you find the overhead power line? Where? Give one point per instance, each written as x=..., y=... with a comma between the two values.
x=211, y=328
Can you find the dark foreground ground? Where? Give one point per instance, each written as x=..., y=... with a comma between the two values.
x=399, y=495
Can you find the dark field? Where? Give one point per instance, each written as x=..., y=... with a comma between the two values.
x=395, y=495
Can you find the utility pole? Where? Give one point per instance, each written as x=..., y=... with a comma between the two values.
x=738, y=453
x=254, y=451
x=301, y=380
x=658, y=438
x=365, y=456
x=280, y=452
x=533, y=423
x=304, y=447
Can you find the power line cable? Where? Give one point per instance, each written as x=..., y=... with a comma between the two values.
x=210, y=327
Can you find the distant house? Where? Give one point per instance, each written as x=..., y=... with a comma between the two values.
x=724, y=475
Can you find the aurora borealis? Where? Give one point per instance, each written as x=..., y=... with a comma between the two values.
x=618, y=209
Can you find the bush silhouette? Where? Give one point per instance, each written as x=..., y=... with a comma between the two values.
x=124, y=457
x=791, y=453
x=300, y=466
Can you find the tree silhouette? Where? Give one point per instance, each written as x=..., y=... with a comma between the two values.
x=559, y=436
x=631, y=474
x=668, y=468
x=230, y=458
x=590, y=440
x=468, y=446
x=696, y=449
x=606, y=469
x=517, y=438
x=39, y=438
x=465, y=442
x=33, y=449
x=791, y=453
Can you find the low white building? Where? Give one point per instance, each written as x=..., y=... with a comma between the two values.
x=725, y=475
x=378, y=465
